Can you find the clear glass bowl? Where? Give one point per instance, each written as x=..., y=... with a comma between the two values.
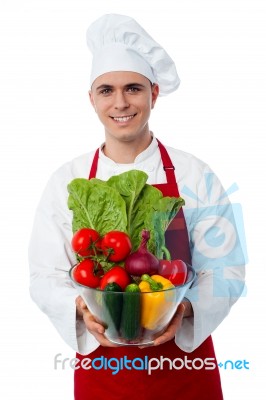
x=156, y=309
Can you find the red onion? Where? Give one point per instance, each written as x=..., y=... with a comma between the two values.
x=142, y=261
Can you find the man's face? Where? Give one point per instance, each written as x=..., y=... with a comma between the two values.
x=123, y=102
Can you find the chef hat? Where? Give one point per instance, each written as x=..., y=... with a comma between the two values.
x=119, y=43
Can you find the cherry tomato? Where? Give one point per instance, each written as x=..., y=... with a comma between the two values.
x=174, y=270
x=88, y=273
x=85, y=241
x=117, y=245
x=116, y=274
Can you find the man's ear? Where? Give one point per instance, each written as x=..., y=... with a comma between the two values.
x=154, y=94
x=92, y=100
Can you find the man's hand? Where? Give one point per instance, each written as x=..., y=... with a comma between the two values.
x=174, y=325
x=93, y=326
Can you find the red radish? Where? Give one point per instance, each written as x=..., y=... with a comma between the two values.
x=142, y=261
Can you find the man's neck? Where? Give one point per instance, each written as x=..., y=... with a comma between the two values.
x=125, y=152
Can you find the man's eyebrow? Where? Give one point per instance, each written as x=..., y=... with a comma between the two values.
x=135, y=84
x=106, y=86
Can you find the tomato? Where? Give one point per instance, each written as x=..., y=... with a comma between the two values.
x=88, y=273
x=85, y=241
x=174, y=270
x=116, y=245
x=116, y=274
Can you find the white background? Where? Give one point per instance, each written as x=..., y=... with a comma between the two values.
x=218, y=114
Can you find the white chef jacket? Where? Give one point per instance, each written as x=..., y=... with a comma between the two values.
x=218, y=285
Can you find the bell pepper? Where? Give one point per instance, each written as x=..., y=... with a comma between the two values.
x=155, y=304
x=174, y=270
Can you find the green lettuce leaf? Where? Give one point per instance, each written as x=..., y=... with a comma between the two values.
x=130, y=185
x=146, y=209
x=158, y=219
x=96, y=205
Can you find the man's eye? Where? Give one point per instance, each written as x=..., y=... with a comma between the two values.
x=133, y=89
x=105, y=91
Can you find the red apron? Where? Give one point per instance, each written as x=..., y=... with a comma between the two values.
x=190, y=381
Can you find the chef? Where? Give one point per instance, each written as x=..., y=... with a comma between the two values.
x=129, y=71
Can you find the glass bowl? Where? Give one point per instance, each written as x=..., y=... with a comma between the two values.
x=134, y=319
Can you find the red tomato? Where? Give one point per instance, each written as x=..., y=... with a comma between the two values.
x=174, y=270
x=88, y=273
x=116, y=274
x=84, y=242
x=117, y=244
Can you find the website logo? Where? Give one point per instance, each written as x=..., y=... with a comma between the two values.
x=146, y=364
x=217, y=233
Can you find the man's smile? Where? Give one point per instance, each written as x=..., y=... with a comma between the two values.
x=124, y=118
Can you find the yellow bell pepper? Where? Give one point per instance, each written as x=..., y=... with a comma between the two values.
x=155, y=304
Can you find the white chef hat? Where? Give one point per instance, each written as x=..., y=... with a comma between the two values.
x=119, y=43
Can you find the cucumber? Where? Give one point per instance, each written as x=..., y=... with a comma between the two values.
x=112, y=307
x=130, y=319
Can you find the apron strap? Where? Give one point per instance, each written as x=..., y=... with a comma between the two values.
x=167, y=164
x=94, y=165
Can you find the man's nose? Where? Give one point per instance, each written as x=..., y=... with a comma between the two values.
x=121, y=100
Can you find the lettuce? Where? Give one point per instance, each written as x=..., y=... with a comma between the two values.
x=96, y=205
x=125, y=202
